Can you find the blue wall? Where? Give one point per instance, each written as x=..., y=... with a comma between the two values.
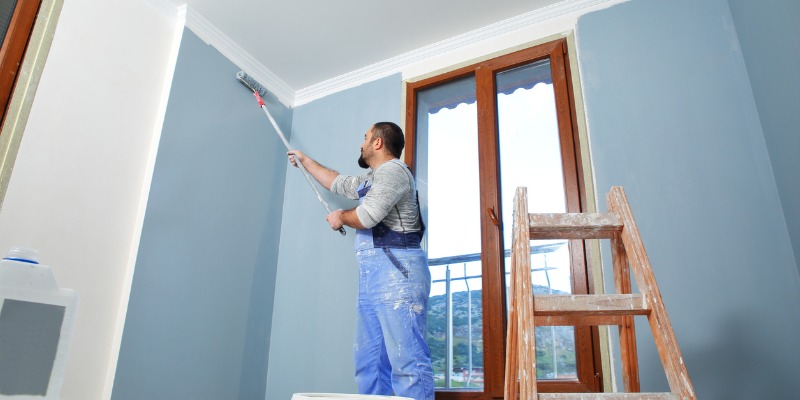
x=200, y=313
x=315, y=296
x=672, y=118
x=769, y=35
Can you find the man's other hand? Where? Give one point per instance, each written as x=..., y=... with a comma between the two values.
x=335, y=219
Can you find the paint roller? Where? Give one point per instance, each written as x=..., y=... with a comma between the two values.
x=258, y=92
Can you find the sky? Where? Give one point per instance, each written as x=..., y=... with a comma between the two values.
x=530, y=157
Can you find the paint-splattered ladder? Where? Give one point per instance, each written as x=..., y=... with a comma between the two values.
x=527, y=310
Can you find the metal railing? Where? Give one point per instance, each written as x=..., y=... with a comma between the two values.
x=464, y=259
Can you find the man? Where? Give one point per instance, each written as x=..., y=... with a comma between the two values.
x=391, y=355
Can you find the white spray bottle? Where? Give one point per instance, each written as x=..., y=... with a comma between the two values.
x=36, y=321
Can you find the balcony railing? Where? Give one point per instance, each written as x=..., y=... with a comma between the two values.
x=471, y=377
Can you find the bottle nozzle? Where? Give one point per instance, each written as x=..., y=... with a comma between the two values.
x=23, y=254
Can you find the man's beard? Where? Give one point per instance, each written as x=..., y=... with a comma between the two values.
x=362, y=163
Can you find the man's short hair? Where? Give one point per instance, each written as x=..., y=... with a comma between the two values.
x=392, y=137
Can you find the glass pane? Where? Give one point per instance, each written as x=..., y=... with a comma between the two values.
x=530, y=156
x=6, y=12
x=449, y=197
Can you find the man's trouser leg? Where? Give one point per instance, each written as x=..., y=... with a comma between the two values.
x=397, y=282
x=373, y=371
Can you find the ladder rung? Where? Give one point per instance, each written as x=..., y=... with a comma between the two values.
x=574, y=225
x=609, y=396
x=580, y=320
x=575, y=305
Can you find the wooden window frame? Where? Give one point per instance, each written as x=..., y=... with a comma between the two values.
x=13, y=49
x=23, y=91
x=495, y=319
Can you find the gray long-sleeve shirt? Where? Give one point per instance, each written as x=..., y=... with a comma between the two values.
x=391, y=198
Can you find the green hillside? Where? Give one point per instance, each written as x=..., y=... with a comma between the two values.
x=564, y=348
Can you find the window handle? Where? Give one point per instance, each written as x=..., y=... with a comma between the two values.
x=492, y=216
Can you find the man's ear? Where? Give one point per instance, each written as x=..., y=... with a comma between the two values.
x=378, y=143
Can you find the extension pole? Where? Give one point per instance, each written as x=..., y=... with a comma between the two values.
x=299, y=164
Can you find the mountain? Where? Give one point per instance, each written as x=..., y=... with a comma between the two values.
x=564, y=348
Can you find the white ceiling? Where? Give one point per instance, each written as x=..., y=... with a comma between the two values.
x=305, y=42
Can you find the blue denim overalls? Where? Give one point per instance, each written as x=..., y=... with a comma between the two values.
x=391, y=355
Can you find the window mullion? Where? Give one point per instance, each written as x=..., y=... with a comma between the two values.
x=584, y=336
x=492, y=255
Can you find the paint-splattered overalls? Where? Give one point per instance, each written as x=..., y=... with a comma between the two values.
x=391, y=355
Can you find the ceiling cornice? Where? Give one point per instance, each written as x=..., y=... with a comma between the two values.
x=396, y=64
x=166, y=8
x=289, y=97
x=210, y=34
x=213, y=36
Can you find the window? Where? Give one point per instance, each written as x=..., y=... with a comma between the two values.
x=23, y=38
x=16, y=24
x=473, y=136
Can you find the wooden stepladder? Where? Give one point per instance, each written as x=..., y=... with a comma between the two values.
x=527, y=311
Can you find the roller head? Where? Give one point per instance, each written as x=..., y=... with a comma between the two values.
x=251, y=83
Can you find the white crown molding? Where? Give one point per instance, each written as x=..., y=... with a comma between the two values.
x=166, y=8
x=291, y=98
x=232, y=51
x=210, y=34
x=396, y=64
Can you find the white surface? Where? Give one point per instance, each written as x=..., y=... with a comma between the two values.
x=342, y=396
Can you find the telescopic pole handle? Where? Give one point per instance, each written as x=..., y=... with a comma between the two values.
x=299, y=164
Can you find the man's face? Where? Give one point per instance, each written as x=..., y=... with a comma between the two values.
x=366, y=150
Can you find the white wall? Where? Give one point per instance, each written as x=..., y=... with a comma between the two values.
x=84, y=161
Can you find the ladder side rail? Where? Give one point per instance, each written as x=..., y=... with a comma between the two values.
x=510, y=388
x=627, y=331
x=663, y=334
x=521, y=250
